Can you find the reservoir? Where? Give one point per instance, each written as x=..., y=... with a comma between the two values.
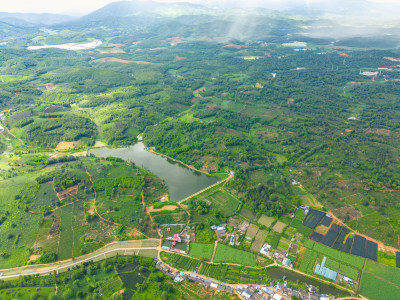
x=180, y=180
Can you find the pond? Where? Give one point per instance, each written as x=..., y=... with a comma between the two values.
x=277, y=273
x=180, y=180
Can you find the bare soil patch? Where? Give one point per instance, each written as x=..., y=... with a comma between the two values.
x=33, y=257
x=176, y=40
x=243, y=226
x=379, y=131
x=55, y=227
x=164, y=198
x=117, y=45
x=50, y=86
x=233, y=46
x=202, y=89
x=112, y=50
x=180, y=57
x=98, y=144
x=113, y=59
x=82, y=153
x=141, y=62
x=66, y=145
x=322, y=229
x=150, y=209
x=278, y=227
x=67, y=192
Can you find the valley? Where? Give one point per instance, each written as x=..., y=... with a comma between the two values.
x=164, y=152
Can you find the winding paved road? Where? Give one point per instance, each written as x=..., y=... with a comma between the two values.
x=127, y=247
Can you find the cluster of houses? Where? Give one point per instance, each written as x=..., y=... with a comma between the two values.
x=277, y=255
x=174, y=243
x=166, y=270
x=181, y=276
x=220, y=230
x=179, y=242
x=209, y=283
x=280, y=291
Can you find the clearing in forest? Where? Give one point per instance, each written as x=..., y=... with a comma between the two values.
x=66, y=145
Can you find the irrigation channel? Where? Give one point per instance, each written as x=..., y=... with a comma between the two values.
x=277, y=273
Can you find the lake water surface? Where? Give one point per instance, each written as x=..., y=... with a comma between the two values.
x=180, y=180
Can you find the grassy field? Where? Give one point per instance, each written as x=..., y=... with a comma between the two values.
x=234, y=274
x=266, y=221
x=273, y=239
x=43, y=240
x=46, y=197
x=332, y=264
x=385, y=272
x=349, y=271
x=179, y=261
x=378, y=289
x=231, y=255
x=247, y=213
x=308, y=262
x=8, y=78
x=204, y=251
x=66, y=234
x=19, y=229
x=26, y=293
x=224, y=202
x=387, y=258
x=300, y=228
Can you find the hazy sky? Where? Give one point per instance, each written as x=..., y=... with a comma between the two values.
x=84, y=6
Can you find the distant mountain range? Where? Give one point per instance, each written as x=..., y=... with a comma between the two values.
x=28, y=19
x=132, y=8
x=139, y=9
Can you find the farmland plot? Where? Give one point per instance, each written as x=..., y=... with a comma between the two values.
x=224, y=202
x=376, y=288
x=204, y=251
x=232, y=255
x=259, y=240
